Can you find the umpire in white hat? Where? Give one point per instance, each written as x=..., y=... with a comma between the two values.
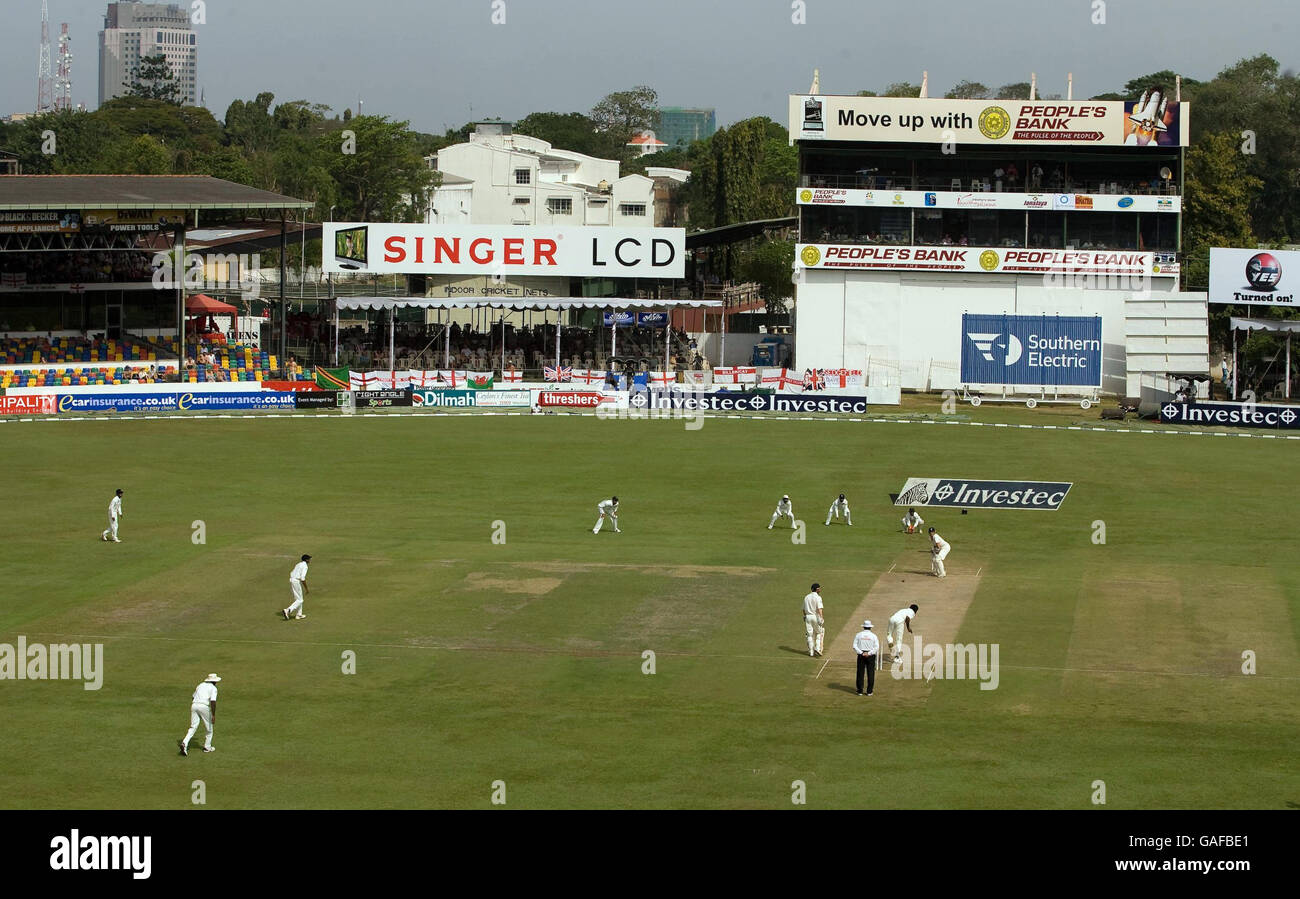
x=866, y=646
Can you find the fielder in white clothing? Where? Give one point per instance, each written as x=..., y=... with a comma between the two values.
x=114, y=513
x=203, y=707
x=297, y=584
x=898, y=622
x=784, y=509
x=939, y=548
x=839, y=507
x=814, y=621
x=912, y=521
x=608, y=508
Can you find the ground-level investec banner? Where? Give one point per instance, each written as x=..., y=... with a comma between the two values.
x=961, y=493
x=1003, y=260
x=580, y=251
x=173, y=402
x=1043, y=350
x=1238, y=415
x=1254, y=277
x=692, y=401
x=481, y=399
x=28, y=405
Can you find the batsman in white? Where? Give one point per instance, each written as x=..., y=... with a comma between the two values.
x=297, y=584
x=784, y=509
x=912, y=521
x=203, y=707
x=898, y=622
x=608, y=508
x=939, y=548
x=814, y=620
x=839, y=507
x=114, y=513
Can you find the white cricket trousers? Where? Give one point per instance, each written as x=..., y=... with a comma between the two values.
x=296, y=586
x=936, y=564
x=600, y=522
x=835, y=513
x=199, y=713
x=816, y=632
x=895, y=637
x=776, y=515
x=110, y=533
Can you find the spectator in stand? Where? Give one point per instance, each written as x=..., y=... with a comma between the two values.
x=1036, y=177
x=1012, y=174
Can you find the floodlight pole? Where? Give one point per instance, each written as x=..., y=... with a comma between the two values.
x=284, y=307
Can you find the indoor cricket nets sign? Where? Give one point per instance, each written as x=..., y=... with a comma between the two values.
x=966, y=494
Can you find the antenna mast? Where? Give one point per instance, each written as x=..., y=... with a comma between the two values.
x=44, y=73
x=63, y=86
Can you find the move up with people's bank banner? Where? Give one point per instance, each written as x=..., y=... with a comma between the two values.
x=1150, y=119
x=1038, y=350
x=579, y=251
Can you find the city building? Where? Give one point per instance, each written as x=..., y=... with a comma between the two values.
x=679, y=127
x=134, y=30
x=913, y=211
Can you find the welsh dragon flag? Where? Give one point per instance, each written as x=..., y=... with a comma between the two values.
x=478, y=380
x=333, y=378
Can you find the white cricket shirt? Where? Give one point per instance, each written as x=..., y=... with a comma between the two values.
x=812, y=603
x=115, y=507
x=299, y=572
x=866, y=642
x=204, y=693
x=901, y=615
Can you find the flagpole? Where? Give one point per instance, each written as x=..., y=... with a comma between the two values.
x=559, y=319
x=503, y=341
x=392, y=359
x=668, y=337
x=446, y=341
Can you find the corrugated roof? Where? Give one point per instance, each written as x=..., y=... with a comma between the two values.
x=136, y=192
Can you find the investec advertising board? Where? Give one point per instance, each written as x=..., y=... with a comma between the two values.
x=1043, y=496
x=1042, y=350
x=1148, y=120
x=985, y=259
x=592, y=252
x=1234, y=415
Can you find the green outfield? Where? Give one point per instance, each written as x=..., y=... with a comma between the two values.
x=522, y=661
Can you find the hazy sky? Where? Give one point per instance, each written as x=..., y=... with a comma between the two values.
x=441, y=63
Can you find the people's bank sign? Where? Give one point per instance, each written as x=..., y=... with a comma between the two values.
x=1046, y=350
x=397, y=248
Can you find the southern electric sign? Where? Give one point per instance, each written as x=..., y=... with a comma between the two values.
x=1043, y=350
x=1045, y=496
x=395, y=248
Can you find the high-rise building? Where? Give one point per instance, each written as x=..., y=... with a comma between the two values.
x=680, y=127
x=134, y=30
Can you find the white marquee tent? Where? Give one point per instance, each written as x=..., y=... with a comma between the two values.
x=391, y=304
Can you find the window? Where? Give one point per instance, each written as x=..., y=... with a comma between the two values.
x=631, y=209
x=522, y=201
x=523, y=176
x=559, y=205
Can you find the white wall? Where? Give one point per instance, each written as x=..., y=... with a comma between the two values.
x=1166, y=333
x=907, y=326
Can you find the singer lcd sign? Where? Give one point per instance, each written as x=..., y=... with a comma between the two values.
x=590, y=252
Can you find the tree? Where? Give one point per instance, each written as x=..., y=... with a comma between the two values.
x=386, y=179
x=569, y=131
x=620, y=115
x=249, y=124
x=153, y=79
x=968, y=90
x=902, y=89
x=1016, y=90
x=770, y=264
